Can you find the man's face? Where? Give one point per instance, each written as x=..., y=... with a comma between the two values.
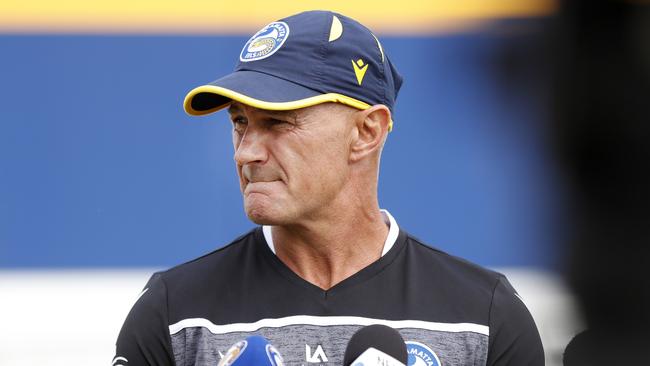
x=291, y=164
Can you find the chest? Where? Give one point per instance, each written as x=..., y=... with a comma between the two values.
x=311, y=340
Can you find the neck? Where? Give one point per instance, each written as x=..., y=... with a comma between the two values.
x=326, y=251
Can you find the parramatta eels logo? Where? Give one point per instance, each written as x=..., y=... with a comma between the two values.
x=421, y=355
x=265, y=42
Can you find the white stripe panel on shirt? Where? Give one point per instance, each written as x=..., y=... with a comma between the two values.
x=326, y=321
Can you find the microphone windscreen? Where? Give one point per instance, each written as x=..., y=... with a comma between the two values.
x=253, y=351
x=379, y=337
x=375, y=357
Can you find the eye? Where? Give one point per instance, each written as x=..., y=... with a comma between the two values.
x=239, y=123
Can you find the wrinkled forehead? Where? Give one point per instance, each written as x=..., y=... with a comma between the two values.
x=329, y=109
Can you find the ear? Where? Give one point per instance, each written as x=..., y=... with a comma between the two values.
x=372, y=127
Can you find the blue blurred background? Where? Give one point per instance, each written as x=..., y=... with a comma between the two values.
x=100, y=166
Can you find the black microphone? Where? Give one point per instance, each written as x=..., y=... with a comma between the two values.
x=378, y=345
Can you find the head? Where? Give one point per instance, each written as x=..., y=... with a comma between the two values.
x=298, y=164
x=310, y=102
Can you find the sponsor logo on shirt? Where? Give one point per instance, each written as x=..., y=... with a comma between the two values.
x=317, y=357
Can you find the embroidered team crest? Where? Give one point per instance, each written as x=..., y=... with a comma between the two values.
x=421, y=355
x=233, y=353
x=265, y=42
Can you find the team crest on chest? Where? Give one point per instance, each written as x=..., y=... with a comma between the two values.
x=265, y=42
x=421, y=355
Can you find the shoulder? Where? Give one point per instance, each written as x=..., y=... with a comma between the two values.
x=430, y=261
x=185, y=291
x=218, y=262
x=514, y=338
x=207, y=278
x=482, y=295
x=215, y=285
x=470, y=291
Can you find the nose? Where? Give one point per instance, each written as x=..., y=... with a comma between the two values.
x=250, y=148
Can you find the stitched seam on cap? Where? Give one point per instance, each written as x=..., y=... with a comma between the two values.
x=382, y=69
x=384, y=64
x=323, y=52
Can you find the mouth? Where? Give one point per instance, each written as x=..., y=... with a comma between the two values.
x=249, y=181
x=261, y=187
x=256, y=175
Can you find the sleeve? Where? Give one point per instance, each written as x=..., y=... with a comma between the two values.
x=144, y=338
x=514, y=339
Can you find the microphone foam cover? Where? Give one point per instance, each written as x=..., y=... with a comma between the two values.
x=381, y=337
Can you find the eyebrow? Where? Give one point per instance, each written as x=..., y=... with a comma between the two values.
x=284, y=114
x=236, y=108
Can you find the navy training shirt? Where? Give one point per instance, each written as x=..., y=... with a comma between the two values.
x=449, y=311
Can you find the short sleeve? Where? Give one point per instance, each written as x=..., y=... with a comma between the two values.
x=514, y=339
x=144, y=338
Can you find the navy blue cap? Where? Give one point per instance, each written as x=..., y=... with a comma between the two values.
x=303, y=60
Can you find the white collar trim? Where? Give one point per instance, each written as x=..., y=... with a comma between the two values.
x=393, y=231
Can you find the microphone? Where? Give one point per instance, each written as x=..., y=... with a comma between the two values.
x=253, y=351
x=376, y=345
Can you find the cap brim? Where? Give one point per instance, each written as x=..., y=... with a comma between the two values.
x=258, y=90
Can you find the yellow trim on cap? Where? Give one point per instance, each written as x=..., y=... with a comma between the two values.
x=273, y=106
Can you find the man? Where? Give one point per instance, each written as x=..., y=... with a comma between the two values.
x=310, y=102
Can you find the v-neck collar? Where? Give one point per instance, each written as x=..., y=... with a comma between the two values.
x=362, y=275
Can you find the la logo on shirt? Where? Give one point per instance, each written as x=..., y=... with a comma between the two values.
x=318, y=355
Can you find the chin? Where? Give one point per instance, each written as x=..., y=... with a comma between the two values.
x=262, y=214
x=264, y=209
x=258, y=218
x=262, y=219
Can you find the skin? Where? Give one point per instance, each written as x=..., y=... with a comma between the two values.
x=312, y=174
